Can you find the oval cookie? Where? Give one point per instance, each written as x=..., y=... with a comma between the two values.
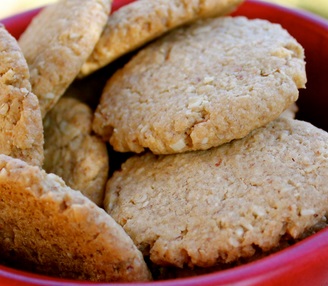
x=139, y=22
x=219, y=205
x=48, y=226
x=21, y=131
x=72, y=152
x=201, y=86
x=58, y=41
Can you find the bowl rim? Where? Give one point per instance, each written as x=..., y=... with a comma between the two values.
x=297, y=11
x=314, y=248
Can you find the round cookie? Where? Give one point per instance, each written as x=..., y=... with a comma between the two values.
x=55, y=230
x=21, y=131
x=216, y=206
x=139, y=22
x=201, y=86
x=58, y=41
x=72, y=152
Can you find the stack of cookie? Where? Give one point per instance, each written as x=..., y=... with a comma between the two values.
x=46, y=226
x=219, y=171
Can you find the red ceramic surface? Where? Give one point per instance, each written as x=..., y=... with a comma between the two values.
x=302, y=264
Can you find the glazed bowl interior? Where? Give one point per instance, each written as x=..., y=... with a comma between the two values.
x=301, y=264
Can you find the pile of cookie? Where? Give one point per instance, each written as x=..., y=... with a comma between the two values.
x=215, y=170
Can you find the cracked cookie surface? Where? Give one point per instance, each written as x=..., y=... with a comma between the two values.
x=201, y=86
x=21, y=130
x=47, y=226
x=140, y=22
x=72, y=152
x=58, y=41
x=217, y=206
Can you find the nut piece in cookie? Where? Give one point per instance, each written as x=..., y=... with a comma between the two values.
x=140, y=22
x=201, y=86
x=291, y=111
x=21, y=131
x=55, y=230
x=58, y=41
x=72, y=152
x=230, y=200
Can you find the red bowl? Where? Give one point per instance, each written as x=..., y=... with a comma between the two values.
x=301, y=264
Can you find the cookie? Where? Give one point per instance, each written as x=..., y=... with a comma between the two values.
x=165, y=273
x=140, y=22
x=72, y=152
x=58, y=41
x=21, y=131
x=217, y=206
x=201, y=86
x=58, y=231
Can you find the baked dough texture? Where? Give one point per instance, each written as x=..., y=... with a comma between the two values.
x=72, y=151
x=165, y=273
x=201, y=86
x=21, y=130
x=46, y=225
x=141, y=21
x=217, y=206
x=58, y=41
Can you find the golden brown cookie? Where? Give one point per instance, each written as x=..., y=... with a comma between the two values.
x=21, y=131
x=139, y=22
x=57, y=43
x=201, y=86
x=216, y=206
x=58, y=231
x=72, y=152
x=165, y=273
